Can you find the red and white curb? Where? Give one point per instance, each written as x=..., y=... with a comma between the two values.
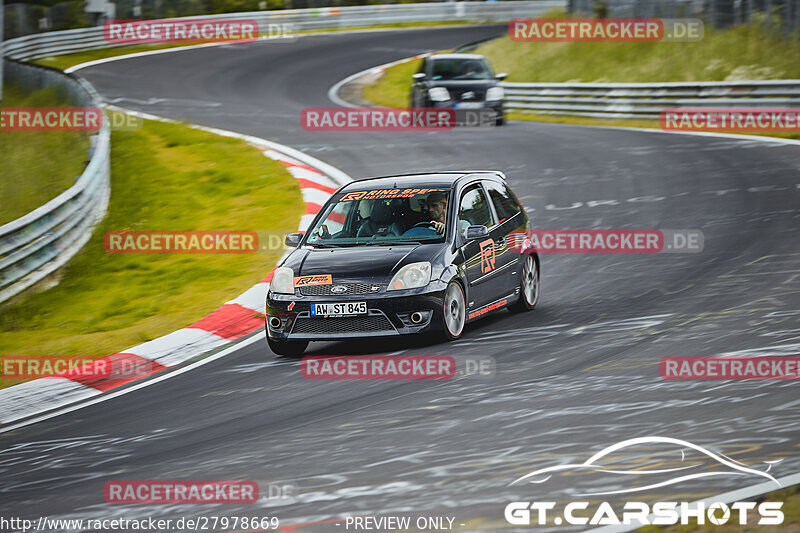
x=230, y=322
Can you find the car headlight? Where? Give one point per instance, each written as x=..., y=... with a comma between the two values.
x=495, y=93
x=282, y=281
x=411, y=276
x=438, y=94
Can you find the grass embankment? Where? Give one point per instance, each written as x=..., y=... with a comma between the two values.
x=37, y=165
x=164, y=177
x=741, y=53
x=68, y=60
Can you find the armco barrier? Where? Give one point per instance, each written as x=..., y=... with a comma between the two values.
x=35, y=245
x=64, y=42
x=647, y=100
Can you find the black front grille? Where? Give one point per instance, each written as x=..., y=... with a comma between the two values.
x=458, y=95
x=350, y=324
x=351, y=288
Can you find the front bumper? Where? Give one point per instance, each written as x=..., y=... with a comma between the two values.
x=388, y=314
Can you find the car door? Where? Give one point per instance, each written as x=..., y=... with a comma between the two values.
x=510, y=220
x=485, y=285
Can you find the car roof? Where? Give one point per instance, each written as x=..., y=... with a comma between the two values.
x=429, y=179
x=456, y=56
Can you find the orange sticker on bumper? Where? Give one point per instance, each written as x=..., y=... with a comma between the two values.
x=316, y=279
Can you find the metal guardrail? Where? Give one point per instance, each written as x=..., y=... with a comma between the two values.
x=37, y=244
x=647, y=100
x=63, y=42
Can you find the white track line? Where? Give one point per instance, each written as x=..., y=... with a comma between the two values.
x=246, y=342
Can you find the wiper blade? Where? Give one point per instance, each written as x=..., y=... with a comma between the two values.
x=391, y=243
x=323, y=245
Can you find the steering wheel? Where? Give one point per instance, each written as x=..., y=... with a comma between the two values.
x=417, y=229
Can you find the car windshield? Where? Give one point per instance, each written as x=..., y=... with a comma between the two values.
x=382, y=217
x=460, y=69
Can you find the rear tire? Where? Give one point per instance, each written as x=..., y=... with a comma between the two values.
x=454, y=311
x=528, y=287
x=287, y=348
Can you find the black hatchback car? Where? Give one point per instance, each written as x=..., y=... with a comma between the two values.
x=458, y=81
x=402, y=255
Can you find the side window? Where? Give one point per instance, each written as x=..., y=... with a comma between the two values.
x=504, y=202
x=473, y=210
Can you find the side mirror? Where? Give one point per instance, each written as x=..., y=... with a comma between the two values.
x=419, y=76
x=501, y=76
x=476, y=232
x=293, y=239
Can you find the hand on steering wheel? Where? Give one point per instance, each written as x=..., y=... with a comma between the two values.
x=438, y=227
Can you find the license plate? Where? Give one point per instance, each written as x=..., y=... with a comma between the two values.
x=339, y=309
x=468, y=105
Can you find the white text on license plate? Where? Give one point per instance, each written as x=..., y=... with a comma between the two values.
x=339, y=309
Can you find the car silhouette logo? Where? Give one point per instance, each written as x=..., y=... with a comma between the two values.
x=339, y=289
x=469, y=95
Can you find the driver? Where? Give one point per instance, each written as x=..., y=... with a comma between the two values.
x=437, y=208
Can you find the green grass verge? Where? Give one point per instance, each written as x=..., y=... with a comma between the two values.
x=393, y=88
x=740, y=53
x=791, y=522
x=68, y=60
x=29, y=179
x=164, y=177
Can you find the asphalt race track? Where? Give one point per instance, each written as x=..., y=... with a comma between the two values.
x=577, y=374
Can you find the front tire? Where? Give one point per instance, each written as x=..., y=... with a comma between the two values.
x=454, y=310
x=528, y=287
x=287, y=348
